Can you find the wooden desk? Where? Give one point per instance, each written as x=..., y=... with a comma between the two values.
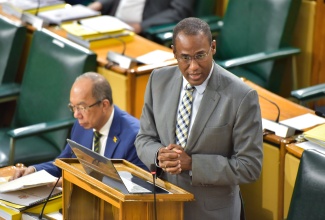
x=101, y=201
x=128, y=85
x=7, y=172
x=264, y=199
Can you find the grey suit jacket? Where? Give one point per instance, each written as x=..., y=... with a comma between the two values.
x=225, y=142
x=156, y=12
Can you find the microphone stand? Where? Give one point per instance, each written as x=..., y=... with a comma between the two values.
x=38, y=6
x=278, y=116
x=154, y=175
x=40, y=216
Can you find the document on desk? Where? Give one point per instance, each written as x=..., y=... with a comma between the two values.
x=29, y=181
x=74, y=12
x=23, y=199
x=156, y=56
x=105, y=24
x=303, y=121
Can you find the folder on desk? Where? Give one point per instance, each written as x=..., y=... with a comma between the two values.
x=316, y=135
x=99, y=31
x=9, y=213
x=103, y=40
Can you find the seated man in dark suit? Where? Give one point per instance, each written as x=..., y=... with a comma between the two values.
x=142, y=14
x=92, y=104
x=75, y=2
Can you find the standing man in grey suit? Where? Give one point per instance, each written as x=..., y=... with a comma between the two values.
x=221, y=147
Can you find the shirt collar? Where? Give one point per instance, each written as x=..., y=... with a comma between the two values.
x=105, y=129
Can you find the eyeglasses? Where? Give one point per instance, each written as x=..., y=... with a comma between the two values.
x=80, y=108
x=200, y=57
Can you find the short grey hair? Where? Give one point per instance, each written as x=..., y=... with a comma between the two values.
x=101, y=88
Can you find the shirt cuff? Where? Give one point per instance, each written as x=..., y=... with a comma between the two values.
x=156, y=159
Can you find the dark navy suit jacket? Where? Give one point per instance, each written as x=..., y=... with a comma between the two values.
x=119, y=145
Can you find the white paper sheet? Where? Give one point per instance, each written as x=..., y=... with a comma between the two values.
x=303, y=121
x=156, y=56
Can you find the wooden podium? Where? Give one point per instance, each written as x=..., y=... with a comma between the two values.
x=84, y=197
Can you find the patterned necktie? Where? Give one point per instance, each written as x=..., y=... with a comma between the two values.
x=97, y=136
x=184, y=116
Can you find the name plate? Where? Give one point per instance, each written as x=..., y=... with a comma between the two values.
x=33, y=20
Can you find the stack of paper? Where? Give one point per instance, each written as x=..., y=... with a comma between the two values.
x=316, y=135
x=99, y=31
x=10, y=213
x=74, y=12
x=17, y=7
x=27, y=191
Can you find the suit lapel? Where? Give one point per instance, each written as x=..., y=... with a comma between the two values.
x=208, y=104
x=171, y=114
x=113, y=136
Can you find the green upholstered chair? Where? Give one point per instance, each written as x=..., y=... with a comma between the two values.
x=42, y=119
x=255, y=40
x=12, y=40
x=307, y=201
x=308, y=94
x=204, y=9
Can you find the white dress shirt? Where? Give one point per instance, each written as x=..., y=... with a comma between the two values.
x=130, y=11
x=104, y=132
x=197, y=98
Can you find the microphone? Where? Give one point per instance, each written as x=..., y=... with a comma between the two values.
x=121, y=60
x=153, y=171
x=40, y=216
x=320, y=114
x=274, y=126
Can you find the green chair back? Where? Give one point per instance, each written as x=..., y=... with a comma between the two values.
x=52, y=66
x=254, y=26
x=12, y=39
x=204, y=8
x=307, y=200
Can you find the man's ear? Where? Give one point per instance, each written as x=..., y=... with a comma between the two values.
x=173, y=48
x=214, y=46
x=106, y=103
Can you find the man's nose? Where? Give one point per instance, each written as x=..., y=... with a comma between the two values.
x=193, y=64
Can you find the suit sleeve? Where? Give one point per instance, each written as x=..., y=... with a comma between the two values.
x=177, y=10
x=108, y=6
x=49, y=166
x=148, y=142
x=245, y=162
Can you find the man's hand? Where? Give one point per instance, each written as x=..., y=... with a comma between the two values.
x=22, y=172
x=59, y=184
x=173, y=159
x=136, y=27
x=97, y=6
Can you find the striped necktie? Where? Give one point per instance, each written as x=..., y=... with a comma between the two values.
x=97, y=136
x=184, y=116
